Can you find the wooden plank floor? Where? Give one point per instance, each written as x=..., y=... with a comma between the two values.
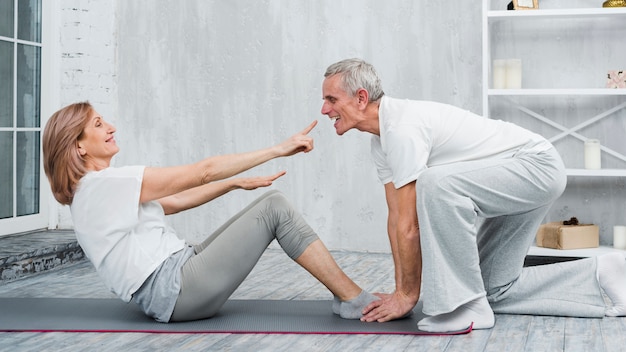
x=277, y=277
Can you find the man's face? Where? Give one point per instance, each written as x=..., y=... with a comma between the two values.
x=341, y=107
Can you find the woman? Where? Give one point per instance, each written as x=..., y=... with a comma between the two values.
x=119, y=220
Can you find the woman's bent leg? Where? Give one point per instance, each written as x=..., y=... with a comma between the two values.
x=223, y=261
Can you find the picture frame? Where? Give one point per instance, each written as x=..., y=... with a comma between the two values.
x=525, y=4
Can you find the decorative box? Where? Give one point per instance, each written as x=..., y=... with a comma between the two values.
x=558, y=235
x=616, y=79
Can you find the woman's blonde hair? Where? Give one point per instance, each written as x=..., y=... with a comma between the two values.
x=62, y=163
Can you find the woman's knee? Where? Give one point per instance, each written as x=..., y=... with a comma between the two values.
x=292, y=231
x=277, y=201
x=269, y=195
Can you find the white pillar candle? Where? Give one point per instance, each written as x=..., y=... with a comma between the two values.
x=619, y=237
x=498, y=72
x=514, y=74
x=592, y=154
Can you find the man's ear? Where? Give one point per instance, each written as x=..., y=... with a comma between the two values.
x=363, y=96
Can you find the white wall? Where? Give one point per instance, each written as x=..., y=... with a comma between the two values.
x=198, y=78
x=188, y=79
x=85, y=44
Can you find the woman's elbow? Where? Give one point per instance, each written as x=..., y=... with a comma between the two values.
x=169, y=206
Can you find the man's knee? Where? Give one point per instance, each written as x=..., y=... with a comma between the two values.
x=430, y=182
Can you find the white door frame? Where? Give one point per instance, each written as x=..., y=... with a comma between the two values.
x=50, y=61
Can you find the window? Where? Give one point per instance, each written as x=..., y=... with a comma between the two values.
x=20, y=116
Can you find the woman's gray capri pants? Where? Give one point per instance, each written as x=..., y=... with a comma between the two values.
x=226, y=257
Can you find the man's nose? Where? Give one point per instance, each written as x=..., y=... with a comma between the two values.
x=325, y=109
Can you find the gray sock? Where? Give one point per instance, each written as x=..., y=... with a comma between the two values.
x=353, y=308
x=336, y=305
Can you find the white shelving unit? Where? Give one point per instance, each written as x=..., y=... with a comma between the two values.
x=540, y=92
x=576, y=253
x=581, y=12
x=493, y=20
x=492, y=17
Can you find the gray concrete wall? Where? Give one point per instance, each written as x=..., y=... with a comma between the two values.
x=199, y=78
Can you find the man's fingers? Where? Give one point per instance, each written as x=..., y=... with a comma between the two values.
x=375, y=304
x=375, y=315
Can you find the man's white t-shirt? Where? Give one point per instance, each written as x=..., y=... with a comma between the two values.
x=124, y=239
x=416, y=135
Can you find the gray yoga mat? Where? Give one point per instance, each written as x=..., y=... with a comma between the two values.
x=237, y=316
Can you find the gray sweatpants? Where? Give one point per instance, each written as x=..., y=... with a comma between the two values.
x=226, y=257
x=477, y=221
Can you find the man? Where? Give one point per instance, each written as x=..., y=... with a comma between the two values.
x=465, y=195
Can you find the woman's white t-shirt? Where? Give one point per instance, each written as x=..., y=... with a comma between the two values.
x=416, y=135
x=124, y=239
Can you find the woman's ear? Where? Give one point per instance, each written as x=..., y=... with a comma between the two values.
x=80, y=149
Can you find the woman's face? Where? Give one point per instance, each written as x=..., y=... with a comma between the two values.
x=97, y=145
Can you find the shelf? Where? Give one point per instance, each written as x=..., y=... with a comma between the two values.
x=580, y=92
x=528, y=100
x=598, y=173
x=578, y=253
x=552, y=13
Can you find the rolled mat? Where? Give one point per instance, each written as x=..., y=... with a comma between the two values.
x=235, y=317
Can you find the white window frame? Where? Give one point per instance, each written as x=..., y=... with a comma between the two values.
x=48, y=95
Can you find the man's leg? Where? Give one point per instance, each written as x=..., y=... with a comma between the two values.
x=450, y=200
x=566, y=289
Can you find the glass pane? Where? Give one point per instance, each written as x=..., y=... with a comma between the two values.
x=29, y=20
x=27, y=176
x=6, y=18
x=28, y=85
x=6, y=174
x=6, y=84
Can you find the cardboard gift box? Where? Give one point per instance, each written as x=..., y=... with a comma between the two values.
x=565, y=235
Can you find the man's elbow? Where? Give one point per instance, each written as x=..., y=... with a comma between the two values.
x=409, y=232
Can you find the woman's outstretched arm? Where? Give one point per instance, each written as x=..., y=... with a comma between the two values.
x=197, y=196
x=166, y=181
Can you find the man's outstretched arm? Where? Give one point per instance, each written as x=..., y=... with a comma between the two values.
x=404, y=239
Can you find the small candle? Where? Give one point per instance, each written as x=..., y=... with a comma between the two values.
x=499, y=74
x=514, y=74
x=592, y=154
x=619, y=237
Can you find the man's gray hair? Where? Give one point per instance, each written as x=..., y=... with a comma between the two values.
x=356, y=74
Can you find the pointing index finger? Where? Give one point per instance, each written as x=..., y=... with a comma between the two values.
x=309, y=127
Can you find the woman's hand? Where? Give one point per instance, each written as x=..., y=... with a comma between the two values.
x=166, y=181
x=194, y=197
x=299, y=142
x=250, y=183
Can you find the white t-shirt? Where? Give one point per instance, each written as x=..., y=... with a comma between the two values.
x=125, y=240
x=416, y=135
